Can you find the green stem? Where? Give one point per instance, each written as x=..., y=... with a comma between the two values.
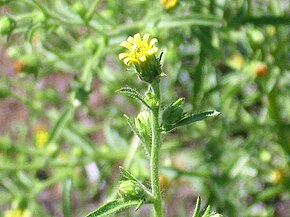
x=154, y=161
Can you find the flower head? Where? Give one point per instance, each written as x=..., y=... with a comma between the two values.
x=168, y=4
x=17, y=213
x=261, y=69
x=40, y=136
x=139, y=49
x=141, y=55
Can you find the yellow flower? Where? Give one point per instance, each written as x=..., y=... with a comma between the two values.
x=141, y=55
x=277, y=176
x=168, y=4
x=17, y=213
x=139, y=49
x=236, y=62
x=40, y=136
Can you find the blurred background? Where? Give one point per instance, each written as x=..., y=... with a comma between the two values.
x=62, y=131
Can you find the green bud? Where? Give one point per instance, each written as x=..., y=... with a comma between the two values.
x=173, y=113
x=6, y=25
x=41, y=17
x=151, y=100
x=255, y=36
x=77, y=152
x=150, y=70
x=143, y=125
x=31, y=63
x=79, y=8
x=130, y=190
x=90, y=45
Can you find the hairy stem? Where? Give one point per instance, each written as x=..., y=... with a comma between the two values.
x=154, y=161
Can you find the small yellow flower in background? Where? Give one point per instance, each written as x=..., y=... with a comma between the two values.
x=277, y=176
x=142, y=55
x=139, y=49
x=271, y=30
x=236, y=62
x=168, y=4
x=17, y=213
x=40, y=136
x=261, y=69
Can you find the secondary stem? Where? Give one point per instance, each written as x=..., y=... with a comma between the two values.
x=154, y=161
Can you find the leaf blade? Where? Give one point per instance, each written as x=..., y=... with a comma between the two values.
x=133, y=93
x=112, y=207
x=196, y=117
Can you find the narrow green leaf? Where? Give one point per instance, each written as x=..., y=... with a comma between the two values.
x=126, y=174
x=142, y=139
x=30, y=32
x=268, y=193
x=76, y=138
x=197, y=207
x=112, y=207
x=239, y=16
x=134, y=94
x=206, y=212
x=60, y=124
x=66, y=198
x=196, y=117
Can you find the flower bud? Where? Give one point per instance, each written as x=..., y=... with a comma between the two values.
x=41, y=17
x=40, y=136
x=168, y=4
x=27, y=63
x=261, y=69
x=6, y=25
x=255, y=36
x=151, y=100
x=236, y=62
x=79, y=8
x=277, y=176
x=131, y=190
x=163, y=182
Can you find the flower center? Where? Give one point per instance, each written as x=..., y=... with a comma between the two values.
x=140, y=50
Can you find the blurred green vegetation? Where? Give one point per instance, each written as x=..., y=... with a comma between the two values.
x=63, y=134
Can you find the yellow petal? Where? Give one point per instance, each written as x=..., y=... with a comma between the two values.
x=153, y=41
x=146, y=37
x=137, y=37
x=126, y=61
x=150, y=52
x=123, y=55
x=126, y=45
x=142, y=58
x=154, y=49
x=130, y=39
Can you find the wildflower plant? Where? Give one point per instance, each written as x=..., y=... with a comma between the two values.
x=150, y=126
x=59, y=66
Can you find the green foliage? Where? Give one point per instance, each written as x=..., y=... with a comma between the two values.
x=59, y=73
x=112, y=207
